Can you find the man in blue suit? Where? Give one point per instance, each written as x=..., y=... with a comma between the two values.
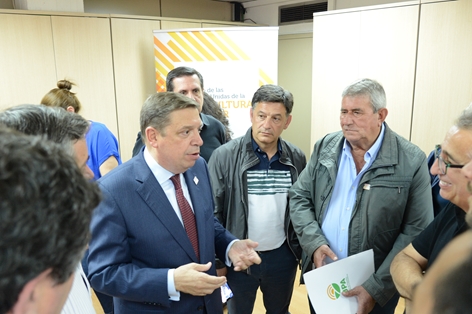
x=140, y=252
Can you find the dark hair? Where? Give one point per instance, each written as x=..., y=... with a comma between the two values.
x=45, y=211
x=273, y=93
x=368, y=87
x=159, y=106
x=212, y=108
x=54, y=124
x=453, y=291
x=179, y=72
x=62, y=97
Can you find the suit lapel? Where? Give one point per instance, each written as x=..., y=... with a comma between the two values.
x=153, y=195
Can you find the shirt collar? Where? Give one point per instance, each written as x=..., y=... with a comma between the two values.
x=204, y=119
x=160, y=173
x=373, y=151
x=256, y=147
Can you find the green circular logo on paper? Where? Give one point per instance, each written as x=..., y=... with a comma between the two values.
x=333, y=291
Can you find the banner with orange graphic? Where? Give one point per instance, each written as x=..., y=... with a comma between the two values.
x=234, y=62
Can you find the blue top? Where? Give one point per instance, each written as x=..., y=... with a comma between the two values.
x=338, y=214
x=102, y=144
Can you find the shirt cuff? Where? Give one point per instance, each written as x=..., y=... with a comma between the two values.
x=227, y=260
x=174, y=295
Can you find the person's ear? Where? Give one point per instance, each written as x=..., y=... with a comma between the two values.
x=289, y=119
x=383, y=112
x=30, y=294
x=152, y=136
x=70, y=109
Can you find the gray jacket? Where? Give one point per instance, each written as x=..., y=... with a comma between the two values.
x=393, y=204
x=228, y=167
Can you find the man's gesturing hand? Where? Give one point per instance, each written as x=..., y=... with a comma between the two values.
x=192, y=279
x=243, y=255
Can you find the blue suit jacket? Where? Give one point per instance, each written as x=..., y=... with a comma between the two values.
x=137, y=237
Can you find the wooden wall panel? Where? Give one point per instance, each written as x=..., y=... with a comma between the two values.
x=211, y=24
x=444, y=71
x=109, y=57
x=27, y=67
x=135, y=74
x=294, y=66
x=374, y=43
x=135, y=7
x=83, y=54
x=179, y=24
x=388, y=45
x=336, y=54
x=196, y=9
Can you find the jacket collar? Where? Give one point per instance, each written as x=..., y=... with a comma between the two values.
x=152, y=193
x=204, y=119
x=387, y=155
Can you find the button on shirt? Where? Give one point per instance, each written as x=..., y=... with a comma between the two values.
x=338, y=214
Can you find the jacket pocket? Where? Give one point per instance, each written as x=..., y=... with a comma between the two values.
x=385, y=201
x=383, y=204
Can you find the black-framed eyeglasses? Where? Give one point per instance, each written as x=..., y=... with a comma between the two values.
x=442, y=165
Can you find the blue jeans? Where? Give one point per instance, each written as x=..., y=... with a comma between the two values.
x=106, y=301
x=275, y=276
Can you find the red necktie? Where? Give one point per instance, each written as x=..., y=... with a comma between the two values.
x=187, y=214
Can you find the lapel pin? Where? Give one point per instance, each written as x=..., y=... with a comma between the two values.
x=367, y=186
x=195, y=179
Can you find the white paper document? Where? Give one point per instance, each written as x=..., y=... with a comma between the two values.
x=326, y=284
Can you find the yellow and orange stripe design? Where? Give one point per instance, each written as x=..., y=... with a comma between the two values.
x=197, y=46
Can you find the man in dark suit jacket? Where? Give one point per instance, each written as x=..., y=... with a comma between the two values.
x=140, y=252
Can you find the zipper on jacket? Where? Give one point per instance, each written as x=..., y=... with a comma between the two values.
x=288, y=208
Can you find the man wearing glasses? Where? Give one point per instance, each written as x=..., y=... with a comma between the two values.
x=456, y=151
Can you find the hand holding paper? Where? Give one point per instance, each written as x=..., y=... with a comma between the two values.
x=327, y=285
x=365, y=301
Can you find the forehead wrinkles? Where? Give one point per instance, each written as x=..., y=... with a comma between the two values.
x=186, y=82
x=457, y=146
x=185, y=120
x=358, y=102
